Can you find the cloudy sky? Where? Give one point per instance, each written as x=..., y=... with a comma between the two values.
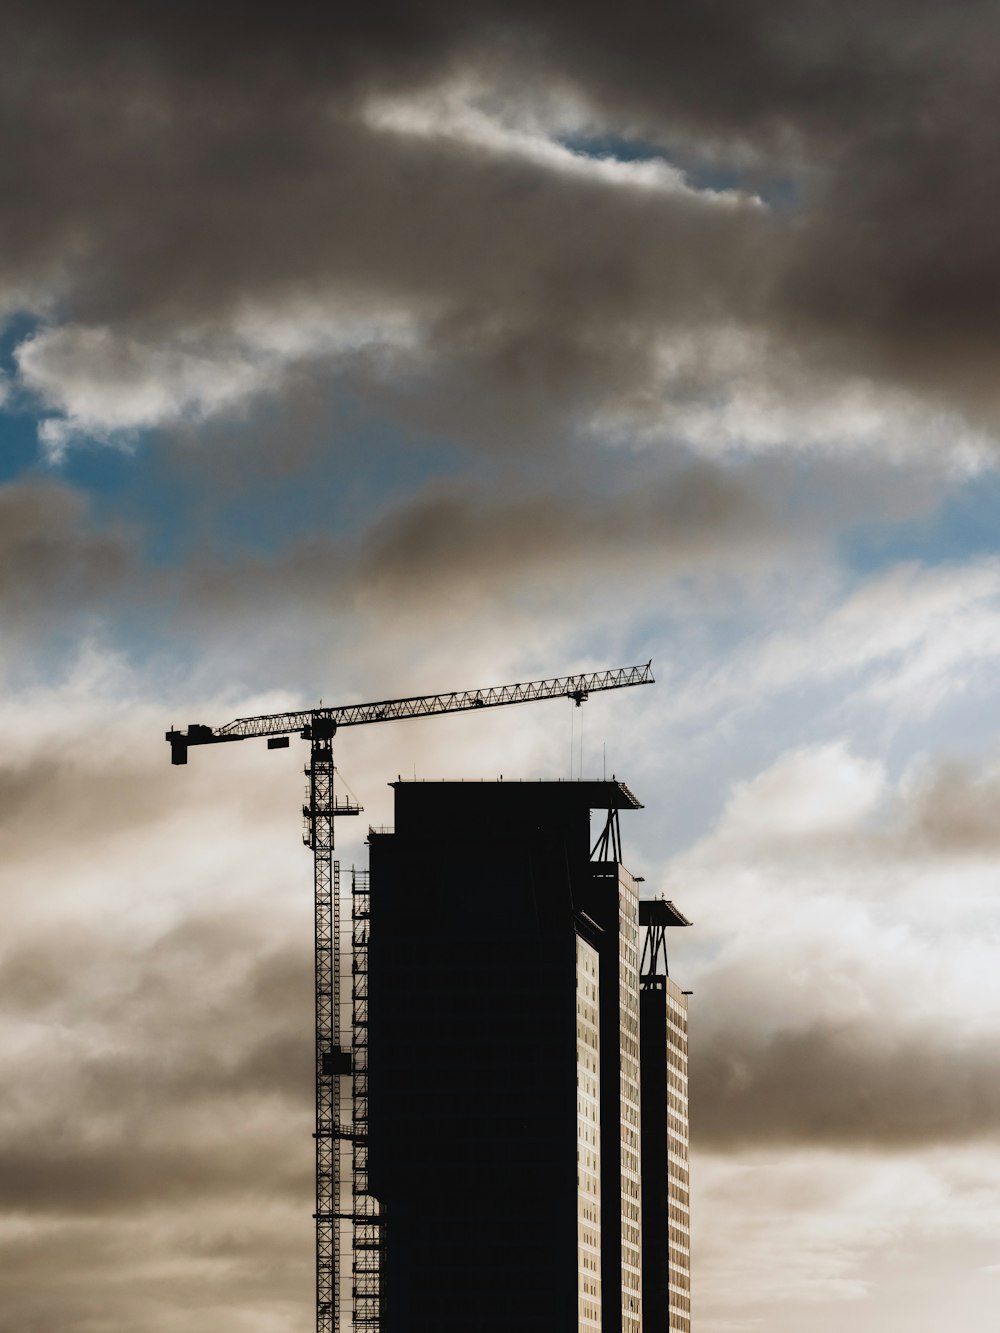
x=355, y=352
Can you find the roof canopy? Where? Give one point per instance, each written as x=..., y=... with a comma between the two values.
x=660, y=912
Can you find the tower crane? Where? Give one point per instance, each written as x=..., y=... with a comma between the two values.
x=334, y=1058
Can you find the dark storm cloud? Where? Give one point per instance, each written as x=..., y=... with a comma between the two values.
x=161, y=164
x=449, y=540
x=67, y=1178
x=133, y=1119
x=253, y=194
x=155, y=1131
x=853, y=1085
x=720, y=63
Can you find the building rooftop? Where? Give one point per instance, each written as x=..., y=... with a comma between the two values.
x=591, y=794
x=660, y=912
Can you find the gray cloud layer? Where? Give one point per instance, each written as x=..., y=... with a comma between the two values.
x=51, y=553
x=62, y=569
x=129, y=1062
x=481, y=550
x=862, y=1084
x=856, y=1009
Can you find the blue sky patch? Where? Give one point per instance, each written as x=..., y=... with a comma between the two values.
x=778, y=191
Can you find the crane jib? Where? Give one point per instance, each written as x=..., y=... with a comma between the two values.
x=322, y=723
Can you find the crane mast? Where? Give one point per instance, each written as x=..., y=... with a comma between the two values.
x=341, y=1122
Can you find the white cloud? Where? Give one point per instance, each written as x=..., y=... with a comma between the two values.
x=848, y=952
x=845, y=994
x=727, y=389
x=779, y=1237
x=108, y=385
x=105, y=383
x=820, y=790
x=331, y=325
x=903, y=642
x=456, y=112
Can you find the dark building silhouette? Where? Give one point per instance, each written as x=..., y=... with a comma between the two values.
x=525, y=1134
x=666, y=1223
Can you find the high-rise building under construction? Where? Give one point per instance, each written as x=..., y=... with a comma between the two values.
x=526, y=1058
